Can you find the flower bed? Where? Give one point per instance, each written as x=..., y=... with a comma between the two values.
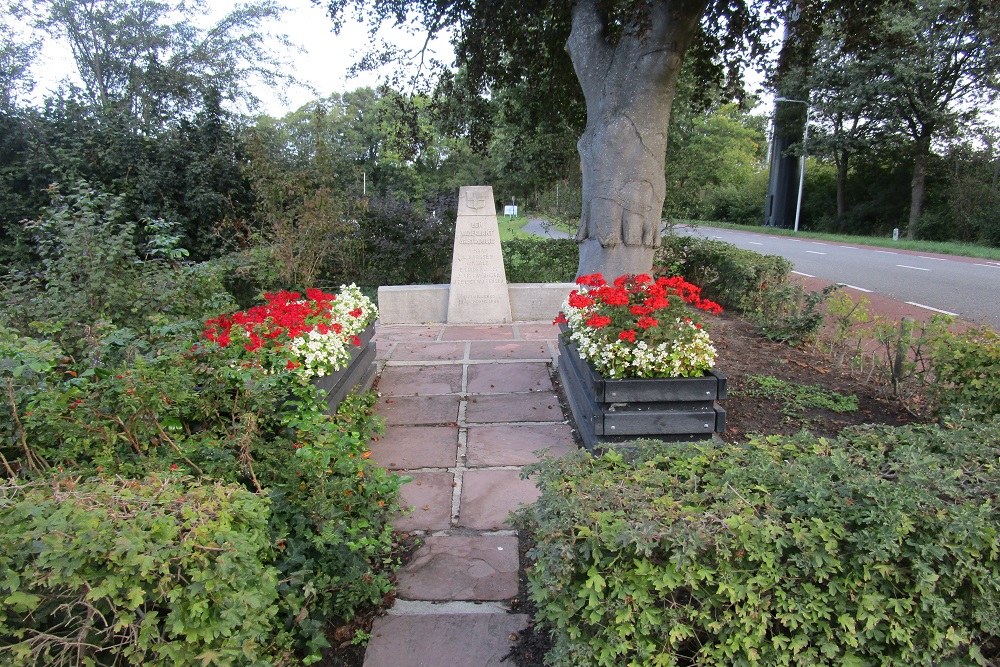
x=635, y=363
x=325, y=338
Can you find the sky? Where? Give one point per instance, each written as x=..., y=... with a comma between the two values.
x=323, y=63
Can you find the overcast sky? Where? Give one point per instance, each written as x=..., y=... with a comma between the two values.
x=323, y=63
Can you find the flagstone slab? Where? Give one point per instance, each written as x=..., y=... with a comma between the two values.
x=525, y=349
x=409, y=447
x=404, y=333
x=538, y=331
x=504, y=445
x=485, y=332
x=450, y=351
x=503, y=408
x=420, y=380
x=461, y=567
x=429, y=495
x=489, y=496
x=443, y=640
x=507, y=378
x=414, y=410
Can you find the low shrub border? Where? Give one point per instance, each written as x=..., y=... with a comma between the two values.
x=734, y=277
x=160, y=570
x=879, y=547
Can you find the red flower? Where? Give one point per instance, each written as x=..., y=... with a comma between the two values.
x=656, y=303
x=560, y=318
x=647, y=322
x=355, y=313
x=592, y=280
x=614, y=297
x=598, y=321
x=643, y=279
x=577, y=300
x=292, y=365
x=627, y=335
x=355, y=341
x=640, y=310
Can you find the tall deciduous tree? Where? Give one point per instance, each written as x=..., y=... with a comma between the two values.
x=151, y=61
x=626, y=56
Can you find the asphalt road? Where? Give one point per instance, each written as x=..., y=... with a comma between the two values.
x=962, y=286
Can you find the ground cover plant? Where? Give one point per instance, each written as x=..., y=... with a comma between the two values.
x=880, y=546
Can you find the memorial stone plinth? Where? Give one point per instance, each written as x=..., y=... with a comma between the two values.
x=478, y=291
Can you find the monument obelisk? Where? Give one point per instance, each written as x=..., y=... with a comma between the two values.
x=478, y=292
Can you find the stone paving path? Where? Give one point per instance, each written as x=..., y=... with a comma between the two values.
x=465, y=408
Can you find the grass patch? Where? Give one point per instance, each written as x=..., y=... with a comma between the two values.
x=943, y=247
x=797, y=398
x=510, y=227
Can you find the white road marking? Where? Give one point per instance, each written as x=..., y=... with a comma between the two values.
x=754, y=243
x=936, y=259
x=805, y=275
x=716, y=237
x=915, y=268
x=887, y=252
x=849, y=247
x=860, y=289
x=815, y=252
x=936, y=310
x=991, y=266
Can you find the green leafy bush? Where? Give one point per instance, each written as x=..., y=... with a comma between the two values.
x=160, y=571
x=735, y=278
x=967, y=371
x=209, y=413
x=791, y=314
x=881, y=547
x=536, y=260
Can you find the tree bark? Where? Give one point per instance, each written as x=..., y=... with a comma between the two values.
x=918, y=186
x=629, y=88
x=842, y=160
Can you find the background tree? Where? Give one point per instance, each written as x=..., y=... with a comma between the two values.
x=626, y=57
x=936, y=64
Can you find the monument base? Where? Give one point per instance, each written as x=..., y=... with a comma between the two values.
x=428, y=304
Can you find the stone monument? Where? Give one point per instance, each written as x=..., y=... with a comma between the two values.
x=478, y=293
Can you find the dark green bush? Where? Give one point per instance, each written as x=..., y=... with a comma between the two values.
x=156, y=571
x=881, y=547
x=733, y=277
x=536, y=260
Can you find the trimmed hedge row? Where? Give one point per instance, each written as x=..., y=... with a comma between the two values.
x=881, y=547
x=731, y=276
x=538, y=260
x=158, y=571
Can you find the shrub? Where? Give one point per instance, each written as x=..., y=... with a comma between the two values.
x=967, y=371
x=879, y=547
x=535, y=260
x=151, y=571
x=790, y=314
x=735, y=278
x=202, y=412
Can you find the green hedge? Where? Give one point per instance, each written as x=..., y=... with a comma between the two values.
x=731, y=276
x=879, y=548
x=536, y=260
x=157, y=571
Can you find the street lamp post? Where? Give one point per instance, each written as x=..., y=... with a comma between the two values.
x=802, y=165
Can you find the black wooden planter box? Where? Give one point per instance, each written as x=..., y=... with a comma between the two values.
x=671, y=409
x=359, y=373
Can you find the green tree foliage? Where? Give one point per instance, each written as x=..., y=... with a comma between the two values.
x=713, y=159
x=928, y=69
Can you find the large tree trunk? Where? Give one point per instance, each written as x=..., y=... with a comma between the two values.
x=629, y=88
x=842, y=160
x=918, y=186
